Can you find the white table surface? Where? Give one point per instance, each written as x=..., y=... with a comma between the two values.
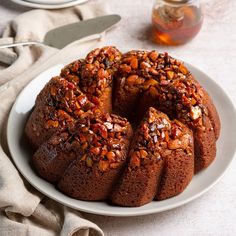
x=214, y=52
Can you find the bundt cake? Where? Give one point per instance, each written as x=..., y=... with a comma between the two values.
x=127, y=128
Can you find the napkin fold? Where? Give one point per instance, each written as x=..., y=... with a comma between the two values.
x=23, y=210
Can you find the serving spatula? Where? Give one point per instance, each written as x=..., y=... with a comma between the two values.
x=62, y=36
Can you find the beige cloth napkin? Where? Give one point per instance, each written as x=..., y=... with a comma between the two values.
x=23, y=210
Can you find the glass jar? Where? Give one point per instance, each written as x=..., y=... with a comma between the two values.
x=176, y=22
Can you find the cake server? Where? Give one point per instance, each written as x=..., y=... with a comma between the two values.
x=62, y=36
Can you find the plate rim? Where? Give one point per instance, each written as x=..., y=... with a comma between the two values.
x=114, y=213
x=49, y=6
x=48, y=2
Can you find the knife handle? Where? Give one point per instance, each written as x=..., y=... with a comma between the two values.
x=11, y=45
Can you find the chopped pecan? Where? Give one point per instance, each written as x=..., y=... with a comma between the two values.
x=103, y=165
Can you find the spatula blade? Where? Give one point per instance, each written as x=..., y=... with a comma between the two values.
x=62, y=36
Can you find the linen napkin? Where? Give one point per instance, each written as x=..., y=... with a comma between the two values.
x=23, y=210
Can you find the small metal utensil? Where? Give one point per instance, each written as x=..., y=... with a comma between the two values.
x=62, y=36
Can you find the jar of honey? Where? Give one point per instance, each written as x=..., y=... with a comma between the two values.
x=176, y=22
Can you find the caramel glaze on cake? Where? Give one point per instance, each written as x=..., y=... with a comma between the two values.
x=93, y=176
x=91, y=154
x=147, y=79
x=95, y=75
x=161, y=161
x=82, y=85
x=87, y=159
x=57, y=107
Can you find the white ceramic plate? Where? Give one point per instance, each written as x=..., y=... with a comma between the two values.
x=49, y=6
x=49, y=2
x=200, y=184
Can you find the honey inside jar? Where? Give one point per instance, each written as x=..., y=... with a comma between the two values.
x=175, y=24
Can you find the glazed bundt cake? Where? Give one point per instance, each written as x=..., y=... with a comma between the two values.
x=127, y=128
